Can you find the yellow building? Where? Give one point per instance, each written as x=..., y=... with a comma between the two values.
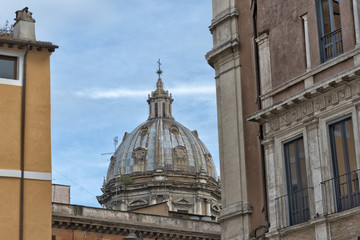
x=25, y=144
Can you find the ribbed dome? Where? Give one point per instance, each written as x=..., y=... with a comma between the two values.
x=161, y=143
x=162, y=161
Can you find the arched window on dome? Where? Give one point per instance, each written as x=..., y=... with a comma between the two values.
x=163, y=109
x=156, y=110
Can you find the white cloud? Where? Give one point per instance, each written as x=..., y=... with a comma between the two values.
x=97, y=93
x=110, y=93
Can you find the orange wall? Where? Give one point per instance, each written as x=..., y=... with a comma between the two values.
x=37, y=193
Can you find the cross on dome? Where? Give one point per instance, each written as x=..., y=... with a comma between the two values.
x=159, y=72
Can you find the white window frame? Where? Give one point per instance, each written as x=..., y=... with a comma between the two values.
x=20, y=67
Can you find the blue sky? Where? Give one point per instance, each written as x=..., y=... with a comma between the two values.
x=104, y=69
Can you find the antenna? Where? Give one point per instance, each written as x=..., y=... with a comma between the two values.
x=116, y=140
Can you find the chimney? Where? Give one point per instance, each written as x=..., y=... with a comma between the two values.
x=24, y=27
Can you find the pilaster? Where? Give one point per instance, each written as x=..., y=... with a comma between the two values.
x=225, y=59
x=265, y=67
x=313, y=142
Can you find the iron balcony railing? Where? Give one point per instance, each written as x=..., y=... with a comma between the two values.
x=341, y=193
x=332, y=45
x=293, y=208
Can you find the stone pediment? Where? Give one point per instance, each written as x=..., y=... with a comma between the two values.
x=138, y=202
x=182, y=201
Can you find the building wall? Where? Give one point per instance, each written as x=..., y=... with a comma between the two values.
x=61, y=193
x=233, y=60
x=73, y=222
x=37, y=183
x=303, y=94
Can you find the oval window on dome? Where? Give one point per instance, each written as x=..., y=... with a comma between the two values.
x=143, y=131
x=174, y=129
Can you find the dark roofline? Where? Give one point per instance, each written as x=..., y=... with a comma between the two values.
x=21, y=43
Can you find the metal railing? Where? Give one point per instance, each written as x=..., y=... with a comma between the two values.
x=293, y=208
x=332, y=45
x=341, y=193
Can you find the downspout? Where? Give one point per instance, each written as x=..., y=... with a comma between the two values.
x=23, y=101
x=261, y=136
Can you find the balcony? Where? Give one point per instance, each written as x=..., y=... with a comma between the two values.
x=341, y=193
x=331, y=45
x=293, y=208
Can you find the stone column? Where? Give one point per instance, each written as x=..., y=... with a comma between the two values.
x=208, y=207
x=198, y=205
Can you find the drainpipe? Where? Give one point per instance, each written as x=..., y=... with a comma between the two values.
x=23, y=101
x=261, y=136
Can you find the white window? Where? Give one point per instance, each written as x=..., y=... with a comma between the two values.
x=11, y=67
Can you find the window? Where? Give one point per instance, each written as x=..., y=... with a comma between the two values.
x=345, y=173
x=8, y=67
x=11, y=67
x=156, y=110
x=296, y=178
x=163, y=109
x=329, y=29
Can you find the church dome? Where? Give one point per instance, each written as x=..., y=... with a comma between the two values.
x=162, y=161
x=161, y=143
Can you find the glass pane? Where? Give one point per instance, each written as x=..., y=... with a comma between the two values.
x=339, y=148
x=326, y=16
x=7, y=67
x=336, y=13
x=302, y=163
x=350, y=144
x=293, y=173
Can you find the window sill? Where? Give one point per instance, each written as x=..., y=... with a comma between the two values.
x=14, y=82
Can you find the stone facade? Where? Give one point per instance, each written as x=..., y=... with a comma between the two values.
x=73, y=222
x=307, y=53
x=306, y=97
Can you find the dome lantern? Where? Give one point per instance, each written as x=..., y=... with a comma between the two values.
x=159, y=100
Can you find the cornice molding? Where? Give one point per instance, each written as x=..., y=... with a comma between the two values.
x=234, y=210
x=229, y=45
x=223, y=16
x=316, y=98
x=113, y=227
